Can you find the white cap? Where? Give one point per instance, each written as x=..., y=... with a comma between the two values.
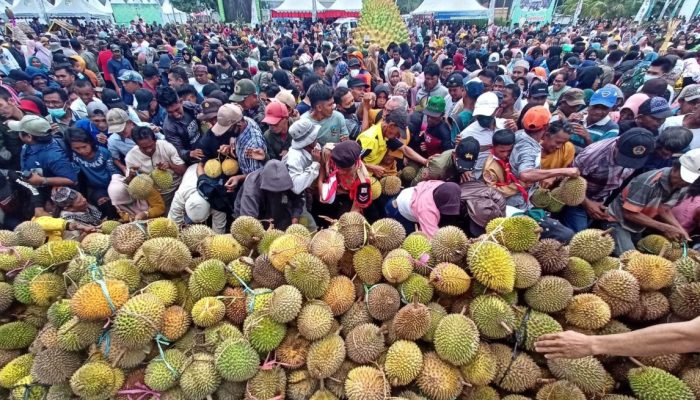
x=197, y=208
x=486, y=104
x=690, y=165
x=494, y=59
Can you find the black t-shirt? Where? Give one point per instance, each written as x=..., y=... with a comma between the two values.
x=440, y=136
x=210, y=144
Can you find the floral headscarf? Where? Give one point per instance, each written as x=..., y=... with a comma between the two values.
x=341, y=71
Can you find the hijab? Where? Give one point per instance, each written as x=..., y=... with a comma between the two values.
x=554, y=60
x=341, y=71
x=586, y=77
x=43, y=67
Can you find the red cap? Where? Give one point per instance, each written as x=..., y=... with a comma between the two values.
x=29, y=106
x=275, y=112
x=536, y=118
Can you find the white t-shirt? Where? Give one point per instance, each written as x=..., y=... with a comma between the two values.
x=678, y=121
x=403, y=203
x=165, y=152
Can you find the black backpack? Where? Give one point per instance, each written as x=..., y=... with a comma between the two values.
x=213, y=191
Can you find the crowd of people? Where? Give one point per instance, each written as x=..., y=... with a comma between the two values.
x=473, y=121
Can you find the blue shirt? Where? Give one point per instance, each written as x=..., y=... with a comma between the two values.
x=118, y=146
x=115, y=66
x=250, y=138
x=50, y=157
x=99, y=170
x=87, y=125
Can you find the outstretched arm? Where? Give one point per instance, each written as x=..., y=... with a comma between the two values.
x=678, y=337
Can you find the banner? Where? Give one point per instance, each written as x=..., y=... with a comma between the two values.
x=531, y=11
x=642, y=11
x=492, y=11
x=577, y=13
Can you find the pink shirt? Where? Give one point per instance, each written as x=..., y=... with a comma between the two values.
x=685, y=211
x=424, y=209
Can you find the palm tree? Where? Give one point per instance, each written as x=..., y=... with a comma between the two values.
x=602, y=8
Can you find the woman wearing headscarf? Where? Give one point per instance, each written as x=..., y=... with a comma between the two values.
x=430, y=204
x=554, y=60
x=372, y=62
x=130, y=209
x=341, y=74
x=630, y=109
x=80, y=67
x=36, y=63
x=588, y=78
x=458, y=60
x=394, y=78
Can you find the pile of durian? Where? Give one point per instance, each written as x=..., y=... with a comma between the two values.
x=359, y=311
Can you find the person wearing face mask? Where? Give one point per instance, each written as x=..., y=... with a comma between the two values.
x=60, y=116
x=357, y=72
x=345, y=104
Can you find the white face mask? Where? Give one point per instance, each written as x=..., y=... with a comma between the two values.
x=354, y=72
x=648, y=77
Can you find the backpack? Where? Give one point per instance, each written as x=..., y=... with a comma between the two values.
x=633, y=79
x=213, y=191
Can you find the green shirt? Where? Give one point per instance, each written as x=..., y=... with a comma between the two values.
x=276, y=145
x=441, y=167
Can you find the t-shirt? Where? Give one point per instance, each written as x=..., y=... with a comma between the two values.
x=374, y=145
x=526, y=155
x=332, y=128
x=165, y=152
x=606, y=128
x=98, y=171
x=678, y=121
x=560, y=158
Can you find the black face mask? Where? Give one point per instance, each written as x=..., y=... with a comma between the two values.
x=485, y=121
x=350, y=110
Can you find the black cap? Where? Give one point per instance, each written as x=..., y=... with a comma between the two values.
x=353, y=62
x=466, y=154
x=573, y=61
x=539, y=89
x=356, y=82
x=19, y=75
x=656, y=107
x=112, y=99
x=446, y=62
x=454, y=80
x=634, y=148
x=149, y=71
x=144, y=97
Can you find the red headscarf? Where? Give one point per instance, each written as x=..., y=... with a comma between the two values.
x=458, y=60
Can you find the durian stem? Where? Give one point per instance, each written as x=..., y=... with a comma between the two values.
x=636, y=362
x=189, y=271
x=544, y=381
x=608, y=231
x=118, y=358
x=663, y=251
x=506, y=327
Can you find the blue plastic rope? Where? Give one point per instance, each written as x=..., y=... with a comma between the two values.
x=97, y=277
x=160, y=342
x=246, y=288
x=105, y=338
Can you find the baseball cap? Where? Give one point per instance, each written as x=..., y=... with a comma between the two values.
x=180, y=45
x=689, y=93
x=353, y=62
x=243, y=89
x=303, y=133
x=574, y=97
x=116, y=120
x=275, y=112
x=29, y=106
x=466, y=154
x=604, y=96
x=539, y=89
x=573, y=62
x=210, y=108
x=144, y=98
x=435, y=106
x=95, y=108
x=494, y=59
x=18, y=75
x=112, y=100
x=286, y=97
x=474, y=87
x=690, y=165
x=226, y=116
x=486, y=104
x=634, y=147
x=31, y=124
x=454, y=80
x=131, y=76
x=656, y=107
x=356, y=82
x=333, y=56
x=536, y=118
x=114, y=48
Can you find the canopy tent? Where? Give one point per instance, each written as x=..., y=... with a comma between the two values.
x=172, y=14
x=298, y=9
x=452, y=9
x=344, y=9
x=106, y=7
x=29, y=8
x=77, y=8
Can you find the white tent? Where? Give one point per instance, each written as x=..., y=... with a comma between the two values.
x=172, y=14
x=29, y=8
x=76, y=8
x=106, y=7
x=350, y=6
x=297, y=9
x=452, y=9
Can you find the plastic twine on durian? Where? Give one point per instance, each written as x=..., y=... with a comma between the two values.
x=520, y=336
x=367, y=288
x=106, y=338
x=141, y=391
x=160, y=342
x=685, y=248
x=97, y=277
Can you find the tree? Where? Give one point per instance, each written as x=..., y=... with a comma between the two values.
x=601, y=8
x=189, y=6
x=406, y=6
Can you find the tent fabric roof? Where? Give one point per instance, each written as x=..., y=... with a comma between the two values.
x=297, y=9
x=172, y=14
x=76, y=8
x=452, y=9
x=28, y=8
x=343, y=9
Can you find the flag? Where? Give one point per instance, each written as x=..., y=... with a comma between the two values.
x=577, y=13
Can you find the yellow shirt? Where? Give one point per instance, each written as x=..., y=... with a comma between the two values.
x=53, y=227
x=373, y=140
x=561, y=158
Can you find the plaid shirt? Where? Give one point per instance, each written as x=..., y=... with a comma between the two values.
x=250, y=138
x=646, y=194
x=597, y=164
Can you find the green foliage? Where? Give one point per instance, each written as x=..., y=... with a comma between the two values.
x=601, y=8
x=189, y=6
